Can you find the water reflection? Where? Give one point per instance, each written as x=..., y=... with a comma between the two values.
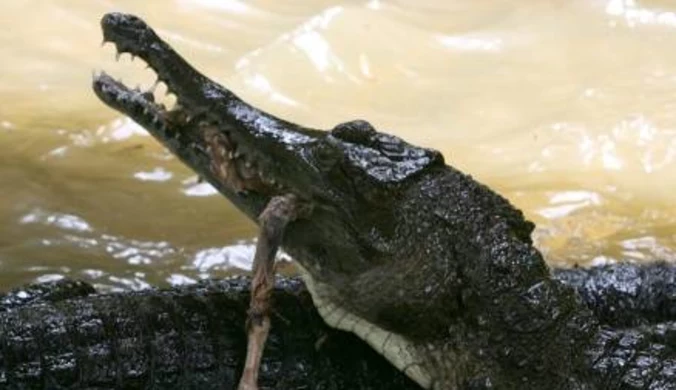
x=211, y=259
x=471, y=43
x=157, y=174
x=62, y=221
x=129, y=258
x=193, y=187
x=635, y=14
x=566, y=202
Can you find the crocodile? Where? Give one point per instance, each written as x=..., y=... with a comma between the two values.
x=64, y=334
x=434, y=270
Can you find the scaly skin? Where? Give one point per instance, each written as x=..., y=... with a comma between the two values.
x=182, y=338
x=62, y=334
x=396, y=238
x=626, y=295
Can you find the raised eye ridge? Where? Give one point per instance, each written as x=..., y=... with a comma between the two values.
x=356, y=131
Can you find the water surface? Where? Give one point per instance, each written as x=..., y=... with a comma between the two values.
x=566, y=108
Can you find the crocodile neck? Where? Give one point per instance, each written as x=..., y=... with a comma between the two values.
x=398, y=350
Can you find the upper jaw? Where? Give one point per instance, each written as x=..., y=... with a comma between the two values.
x=241, y=150
x=132, y=35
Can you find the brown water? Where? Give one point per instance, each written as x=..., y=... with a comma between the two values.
x=567, y=108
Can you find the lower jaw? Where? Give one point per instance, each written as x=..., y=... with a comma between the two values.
x=399, y=351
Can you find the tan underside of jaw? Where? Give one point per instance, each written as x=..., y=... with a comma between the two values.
x=399, y=351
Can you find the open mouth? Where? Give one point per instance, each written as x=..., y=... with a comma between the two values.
x=185, y=129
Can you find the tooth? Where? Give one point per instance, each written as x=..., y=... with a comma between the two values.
x=273, y=182
x=237, y=154
x=154, y=86
x=247, y=164
x=231, y=155
x=147, y=95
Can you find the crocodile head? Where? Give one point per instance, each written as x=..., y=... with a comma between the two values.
x=247, y=154
x=352, y=175
x=433, y=269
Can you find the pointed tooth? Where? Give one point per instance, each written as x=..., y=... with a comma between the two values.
x=247, y=164
x=154, y=86
x=231, y=155
x=147, y=95
x=237, y=154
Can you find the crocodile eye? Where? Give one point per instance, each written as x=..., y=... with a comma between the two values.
x=357, y=131
x=326, y=155
x=391, y=146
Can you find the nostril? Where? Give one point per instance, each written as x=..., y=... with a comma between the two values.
x=112, y=18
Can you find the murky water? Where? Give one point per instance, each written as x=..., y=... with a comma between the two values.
x=567, y=108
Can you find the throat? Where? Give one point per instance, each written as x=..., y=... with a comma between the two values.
x=399, y=351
